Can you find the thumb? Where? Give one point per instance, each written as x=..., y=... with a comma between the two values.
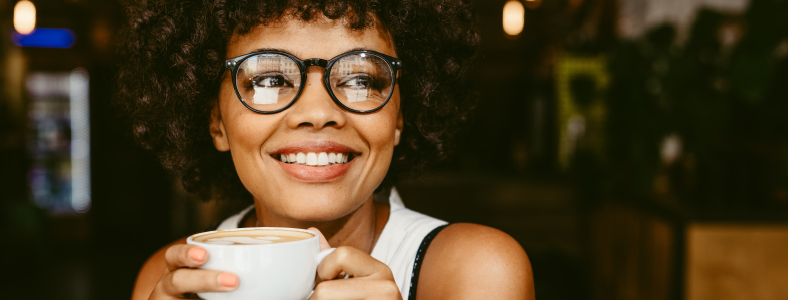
x=323, y=242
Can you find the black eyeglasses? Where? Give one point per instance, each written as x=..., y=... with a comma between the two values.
x=270, y=81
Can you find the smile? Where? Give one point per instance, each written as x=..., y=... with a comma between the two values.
x=315, y=158
x=315, y=161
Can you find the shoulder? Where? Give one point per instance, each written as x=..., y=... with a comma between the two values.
x=470, y=261
x=151, y=272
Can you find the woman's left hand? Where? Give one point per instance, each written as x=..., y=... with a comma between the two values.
x=371, y=279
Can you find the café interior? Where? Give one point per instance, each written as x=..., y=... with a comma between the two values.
x=636, y=149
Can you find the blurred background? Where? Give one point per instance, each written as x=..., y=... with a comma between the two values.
x=637, y=149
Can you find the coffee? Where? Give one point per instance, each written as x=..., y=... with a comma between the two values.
x=265, y=271
x=252, y=237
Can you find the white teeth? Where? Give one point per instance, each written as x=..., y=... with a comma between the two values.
x=314, y=159
x=332, y=158
x=311, y=159
x=339, y=157
x=322, y=159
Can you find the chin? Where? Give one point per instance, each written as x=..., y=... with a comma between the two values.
x=315, y=205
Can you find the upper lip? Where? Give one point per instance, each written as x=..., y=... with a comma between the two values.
x=315, y=146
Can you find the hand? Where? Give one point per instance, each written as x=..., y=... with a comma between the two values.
x=371, y=279
x=180, y=281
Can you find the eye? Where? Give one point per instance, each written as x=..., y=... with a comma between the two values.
x=270, y=81
x=357, y=81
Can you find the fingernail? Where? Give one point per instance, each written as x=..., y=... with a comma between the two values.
x=197, y=254
x=228, y=279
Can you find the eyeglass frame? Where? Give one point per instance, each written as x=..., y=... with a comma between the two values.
x=234, y=63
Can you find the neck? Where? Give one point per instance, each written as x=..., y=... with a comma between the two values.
x=359, y=229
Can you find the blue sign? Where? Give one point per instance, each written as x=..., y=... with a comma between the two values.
x=45, y=38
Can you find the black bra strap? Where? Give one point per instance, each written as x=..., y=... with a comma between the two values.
x=425, y=243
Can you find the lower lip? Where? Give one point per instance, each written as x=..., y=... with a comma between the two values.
x=315, y=174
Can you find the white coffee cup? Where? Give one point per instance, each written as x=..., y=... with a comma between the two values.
x=265, y=271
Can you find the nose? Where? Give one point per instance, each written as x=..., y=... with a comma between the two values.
x=314, y=108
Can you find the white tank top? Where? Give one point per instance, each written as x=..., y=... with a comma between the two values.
x=397, y=245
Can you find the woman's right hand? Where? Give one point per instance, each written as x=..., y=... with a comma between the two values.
x=181, y=280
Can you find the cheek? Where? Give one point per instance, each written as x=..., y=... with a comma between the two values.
x=379, y=130
x=246, y=130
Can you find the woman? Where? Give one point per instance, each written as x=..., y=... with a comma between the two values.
x=307, y=109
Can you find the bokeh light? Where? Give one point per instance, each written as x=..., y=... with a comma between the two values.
x=532, y=4
x=513, y=17
x=24, y=17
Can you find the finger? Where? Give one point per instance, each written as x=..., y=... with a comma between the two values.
x=323, y=242
x=183, y=281
x=353, y=262
x=357, y=288
x=180, y=256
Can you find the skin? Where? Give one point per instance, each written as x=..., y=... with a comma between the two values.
x=465, y=261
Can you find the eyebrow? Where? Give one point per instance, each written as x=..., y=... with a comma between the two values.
x=293, y=54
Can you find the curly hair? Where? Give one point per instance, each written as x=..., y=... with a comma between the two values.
x=173, y=53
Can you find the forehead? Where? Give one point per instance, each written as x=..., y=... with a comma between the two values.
x=318, y=38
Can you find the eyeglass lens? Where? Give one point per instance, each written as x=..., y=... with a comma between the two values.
x=269, y=82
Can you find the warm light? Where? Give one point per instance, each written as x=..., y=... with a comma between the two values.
x=24, y=17
x=532, y=4
x=513, y=17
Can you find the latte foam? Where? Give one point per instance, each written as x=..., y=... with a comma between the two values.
x=252, y=237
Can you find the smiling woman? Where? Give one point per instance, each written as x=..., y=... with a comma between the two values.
x=308, y=109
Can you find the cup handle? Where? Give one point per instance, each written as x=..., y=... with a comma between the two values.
x=320, y=257
x=323, y=254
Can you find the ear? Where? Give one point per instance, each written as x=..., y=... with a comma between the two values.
x=398, y=129
x=218, y=132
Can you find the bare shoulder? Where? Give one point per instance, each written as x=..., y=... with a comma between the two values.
x=470, y=261
x=151, y=272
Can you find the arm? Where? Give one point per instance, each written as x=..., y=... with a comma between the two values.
x=469, y=261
